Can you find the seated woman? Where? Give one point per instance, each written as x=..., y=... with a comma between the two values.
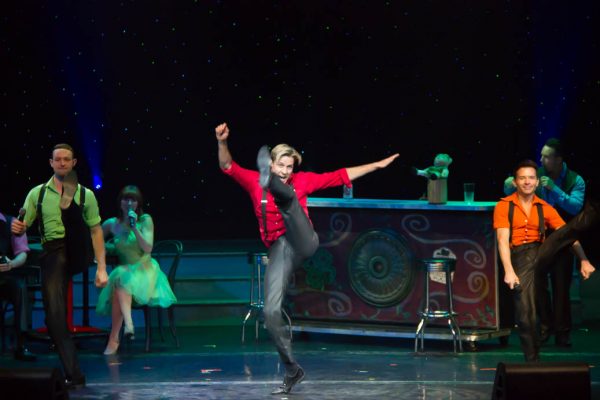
x=138, y=275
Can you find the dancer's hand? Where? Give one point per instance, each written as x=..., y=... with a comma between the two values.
x=361, y=170
x=5, y=264
x=133, y=215
x=386, y=161
x=586, y=269
x=101, y=278
x=511, y=279
x=18, y=227
x=547, y=182
x=222, y=132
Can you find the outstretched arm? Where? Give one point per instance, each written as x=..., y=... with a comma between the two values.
x=222, y=133
x=357, y=172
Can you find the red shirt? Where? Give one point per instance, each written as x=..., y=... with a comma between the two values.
x=304, y=183
x=525, y=229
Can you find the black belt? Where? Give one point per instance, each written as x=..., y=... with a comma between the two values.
x=523, y=247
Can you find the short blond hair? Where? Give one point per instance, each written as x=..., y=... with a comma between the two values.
x=282, y=150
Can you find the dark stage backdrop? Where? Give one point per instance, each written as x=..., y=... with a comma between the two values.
x=138, y=87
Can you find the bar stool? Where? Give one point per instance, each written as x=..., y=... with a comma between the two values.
x=259, y=262
x=446, y=266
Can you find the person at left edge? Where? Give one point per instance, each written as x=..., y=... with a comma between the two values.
x=13, y=251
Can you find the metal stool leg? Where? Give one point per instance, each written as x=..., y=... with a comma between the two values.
x=256, y=298
x=251, y=303
x=244, y=324
x=456, y=335
x=256, y=324
x=420, y=333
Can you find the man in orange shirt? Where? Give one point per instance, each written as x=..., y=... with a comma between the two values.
x=520, y=221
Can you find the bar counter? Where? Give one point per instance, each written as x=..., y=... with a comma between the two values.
x=365, y=273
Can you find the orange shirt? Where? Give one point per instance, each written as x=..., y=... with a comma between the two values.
x=525, y=228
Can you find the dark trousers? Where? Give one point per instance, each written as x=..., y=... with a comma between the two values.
x=289, y=252
x=60, y=260
x=14, y=290
x=587, y=219
x=523, y=261
x=554, y=310
x=558, y=243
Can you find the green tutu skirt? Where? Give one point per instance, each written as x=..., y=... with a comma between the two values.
x=144, y=280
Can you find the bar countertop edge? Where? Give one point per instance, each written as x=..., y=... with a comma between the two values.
x=400, y=204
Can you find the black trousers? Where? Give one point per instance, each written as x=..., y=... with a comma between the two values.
x=524, y=297
x=587, y=219
x=559, y=243
x=554, y=310
x=60, y=260
x=14, y=290
x=289, y=252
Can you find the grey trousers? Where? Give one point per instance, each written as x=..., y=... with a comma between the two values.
x=289, y=252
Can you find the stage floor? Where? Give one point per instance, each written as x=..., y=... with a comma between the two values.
x=213, y=364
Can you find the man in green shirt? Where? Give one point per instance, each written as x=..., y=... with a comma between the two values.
x=63, y=228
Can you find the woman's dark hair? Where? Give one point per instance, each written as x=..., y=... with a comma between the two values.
x=134, y=193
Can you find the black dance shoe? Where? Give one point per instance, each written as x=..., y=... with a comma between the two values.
x=289, y=382
x=263, y=163
x=75, y=383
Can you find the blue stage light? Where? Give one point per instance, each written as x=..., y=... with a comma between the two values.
x=97, y=182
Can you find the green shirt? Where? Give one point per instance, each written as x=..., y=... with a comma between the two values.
x=53, y=226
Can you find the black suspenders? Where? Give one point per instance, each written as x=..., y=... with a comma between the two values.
x=542, y=225
x=39, y=207
x=263, y=204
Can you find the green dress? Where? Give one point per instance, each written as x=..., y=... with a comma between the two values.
x=138, y=273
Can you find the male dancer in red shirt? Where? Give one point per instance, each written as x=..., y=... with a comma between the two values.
x=284, y=225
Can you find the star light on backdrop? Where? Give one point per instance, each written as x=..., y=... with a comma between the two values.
x=560, y=69
x=138, y=87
